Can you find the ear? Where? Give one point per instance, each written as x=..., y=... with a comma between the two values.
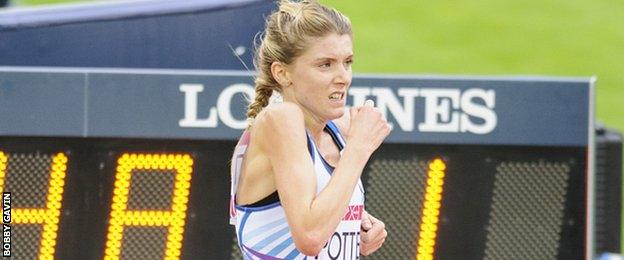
x=280, y=74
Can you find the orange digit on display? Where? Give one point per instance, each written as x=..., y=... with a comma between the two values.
x=173, y=219
x=48, y=216
x=431, y=210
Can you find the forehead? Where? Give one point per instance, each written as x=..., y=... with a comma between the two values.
x=330, y=46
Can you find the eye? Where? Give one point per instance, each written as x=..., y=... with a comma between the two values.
x=325, y=65
x=348, y=64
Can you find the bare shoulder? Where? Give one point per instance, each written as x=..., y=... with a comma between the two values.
x=279, y=120
x=283, y=114
x=343, y=123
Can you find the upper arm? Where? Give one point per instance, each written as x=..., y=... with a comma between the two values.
x=281, y=135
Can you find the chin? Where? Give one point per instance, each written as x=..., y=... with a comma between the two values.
x=338, y=113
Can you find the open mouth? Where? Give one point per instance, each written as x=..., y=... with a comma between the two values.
x=336, y=96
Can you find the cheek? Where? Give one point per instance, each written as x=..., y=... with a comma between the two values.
x=313, y=86
x=312, y=97
x=306, y=94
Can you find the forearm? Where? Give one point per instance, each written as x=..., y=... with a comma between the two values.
x=329, y=206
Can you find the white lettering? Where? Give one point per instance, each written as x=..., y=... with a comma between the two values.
x=386, y=100
x=359, y=95
x=6, y=207
x=438, y=115
x=478, y=110
x=6, y=240
x=190, y=108
x=224, y=108
x=445, y=110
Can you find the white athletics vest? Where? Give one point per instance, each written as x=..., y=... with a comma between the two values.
x=263, y=232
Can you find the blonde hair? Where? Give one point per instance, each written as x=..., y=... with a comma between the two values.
x=288, y=32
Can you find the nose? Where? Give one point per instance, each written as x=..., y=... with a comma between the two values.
x=343, y=75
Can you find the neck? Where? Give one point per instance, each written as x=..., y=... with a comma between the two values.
x=314, y=124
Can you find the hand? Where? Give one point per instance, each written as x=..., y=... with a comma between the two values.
x=373, y=234
x=368, y=127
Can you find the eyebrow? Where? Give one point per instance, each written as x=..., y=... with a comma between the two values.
x=330, y=58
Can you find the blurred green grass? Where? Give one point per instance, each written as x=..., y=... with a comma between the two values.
x=490, y=37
